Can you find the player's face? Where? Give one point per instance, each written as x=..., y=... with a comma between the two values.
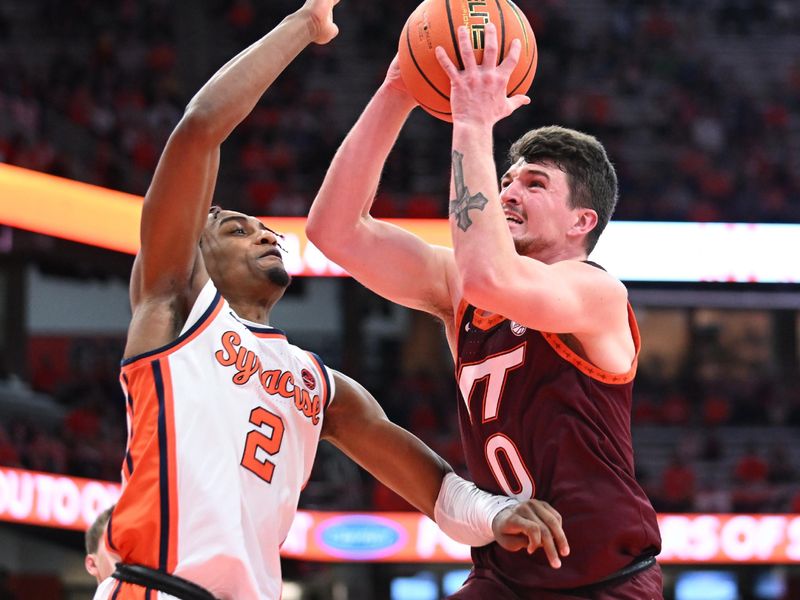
x=535, y=199
x=239, y=250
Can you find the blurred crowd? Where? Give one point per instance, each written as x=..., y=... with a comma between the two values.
x=698, y=104
x=76, y=424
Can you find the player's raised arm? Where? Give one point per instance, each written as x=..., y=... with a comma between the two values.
x=387, y=259
x=177, y=202
x=356, y=424
x=517, y=276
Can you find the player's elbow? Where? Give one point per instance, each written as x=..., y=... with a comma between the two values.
x=322, y=236
x=331, y=234
x=197, y=126
x=315, y=230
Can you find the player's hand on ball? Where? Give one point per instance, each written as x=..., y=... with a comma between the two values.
x=320, y=15
x=393, y=77
x=395, y=81
x=478, y=92
x=530, y=525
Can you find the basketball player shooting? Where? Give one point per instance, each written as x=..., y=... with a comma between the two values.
x=224, y=413
x=545, y=342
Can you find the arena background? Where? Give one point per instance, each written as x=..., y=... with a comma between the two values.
x=699, y=107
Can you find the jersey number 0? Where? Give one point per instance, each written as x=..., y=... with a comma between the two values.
x=495, y=370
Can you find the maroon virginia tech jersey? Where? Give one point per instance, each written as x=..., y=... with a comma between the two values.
x=538, y=421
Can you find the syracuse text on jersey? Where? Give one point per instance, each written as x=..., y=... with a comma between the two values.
x=274, y=381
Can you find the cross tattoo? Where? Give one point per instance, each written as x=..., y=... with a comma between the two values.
x=463, y=202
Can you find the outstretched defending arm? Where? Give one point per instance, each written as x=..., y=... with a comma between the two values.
x=387, y=259
x=357, y=425
x=176, y=204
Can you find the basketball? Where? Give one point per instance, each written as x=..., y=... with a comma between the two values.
x=435, y=23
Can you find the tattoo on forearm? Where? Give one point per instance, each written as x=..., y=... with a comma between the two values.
x=463, y=202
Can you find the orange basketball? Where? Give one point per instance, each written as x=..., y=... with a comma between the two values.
x=435, y=23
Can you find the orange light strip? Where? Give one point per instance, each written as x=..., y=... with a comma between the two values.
x=68, y=209
x=107, y=219
x=708, y=252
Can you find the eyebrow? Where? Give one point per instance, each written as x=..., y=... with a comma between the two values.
x=244, y=221
x=530, y=171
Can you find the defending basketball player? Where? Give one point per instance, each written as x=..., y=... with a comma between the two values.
x=545, y=342
x=224, y=413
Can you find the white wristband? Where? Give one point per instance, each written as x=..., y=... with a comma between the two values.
x=466, y=513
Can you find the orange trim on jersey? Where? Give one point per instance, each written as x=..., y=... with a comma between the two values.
x=149, y=500
x=482, y=319
x=462, y=308
x=135, y=523
x=179, y=343
x=590, y=370
x=485, y=320
x=131, y=591
x=323, y=377
x=127, y=471
x=172, y=471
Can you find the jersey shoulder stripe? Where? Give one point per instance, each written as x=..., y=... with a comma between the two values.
x=586, y=367
x=327, y=380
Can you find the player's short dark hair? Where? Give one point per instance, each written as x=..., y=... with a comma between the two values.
x=95, y=532
x=590, y=175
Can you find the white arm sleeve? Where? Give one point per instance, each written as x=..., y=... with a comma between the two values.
x=466, y=513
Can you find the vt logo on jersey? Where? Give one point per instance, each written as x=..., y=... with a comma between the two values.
x=275, y=382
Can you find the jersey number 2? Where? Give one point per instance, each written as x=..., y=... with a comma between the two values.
x=258, y=440
x=495, y=370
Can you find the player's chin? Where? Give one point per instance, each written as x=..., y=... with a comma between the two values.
x=279, y=276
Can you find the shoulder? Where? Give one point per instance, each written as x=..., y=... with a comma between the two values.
x=591, y=277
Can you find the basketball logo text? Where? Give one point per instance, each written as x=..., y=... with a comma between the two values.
x=476, y=9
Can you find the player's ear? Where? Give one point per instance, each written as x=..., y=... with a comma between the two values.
x=585, y=221
x=90, y=562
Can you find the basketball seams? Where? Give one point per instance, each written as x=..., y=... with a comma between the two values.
x=502, y=18
x=524, y=29
x=453, y=34
x=521, y=81
x=419, y=69
x=521, y=24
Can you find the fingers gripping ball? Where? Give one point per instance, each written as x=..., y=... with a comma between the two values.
x=435, y=23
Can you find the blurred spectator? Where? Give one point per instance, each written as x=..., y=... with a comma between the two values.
x=9, y=455
x=780, y=469
x=751, y=466
x=677, y=487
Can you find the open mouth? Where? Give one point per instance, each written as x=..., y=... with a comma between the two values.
x=512, y=218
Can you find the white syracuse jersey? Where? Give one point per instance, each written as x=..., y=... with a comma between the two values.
x=223, y=429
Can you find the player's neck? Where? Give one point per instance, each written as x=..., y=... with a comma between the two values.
x=255, y=313
x=552, y=255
